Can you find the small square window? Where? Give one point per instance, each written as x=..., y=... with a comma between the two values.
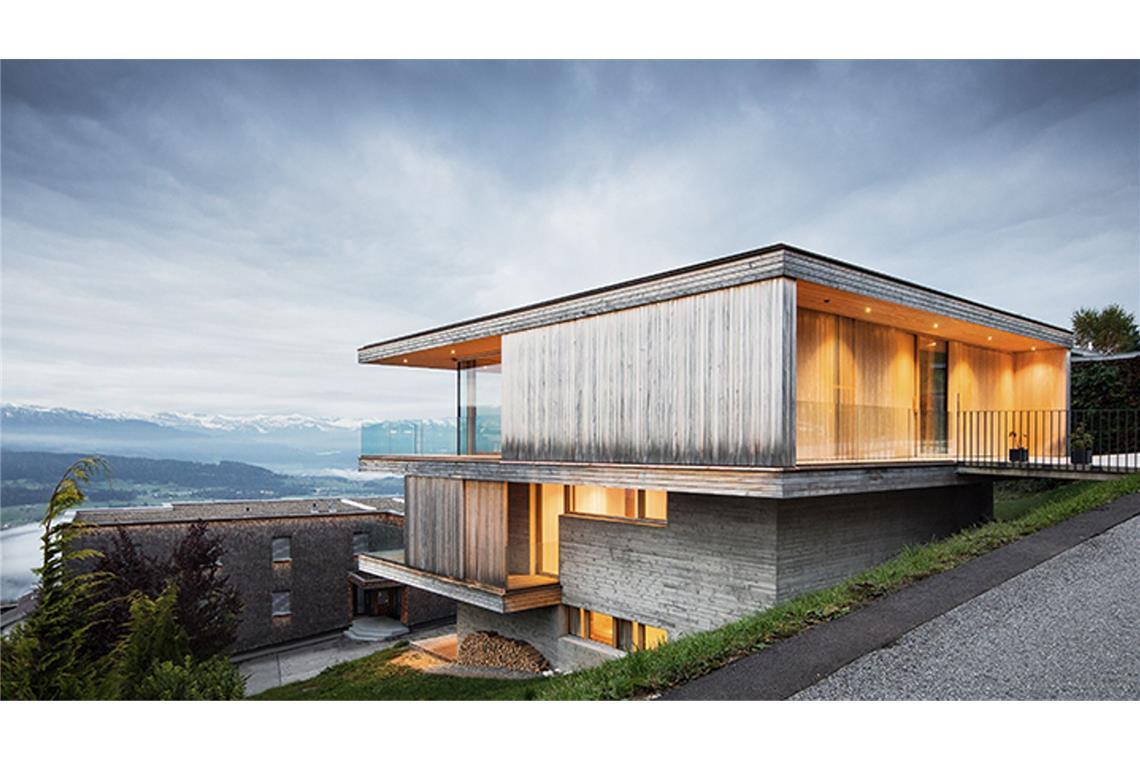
x=281, y=549
x=282, y=604
x=359, y=543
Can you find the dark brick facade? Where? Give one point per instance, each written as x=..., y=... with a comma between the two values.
x=316, y=574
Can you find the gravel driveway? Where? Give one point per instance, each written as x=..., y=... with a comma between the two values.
x=1068, y=628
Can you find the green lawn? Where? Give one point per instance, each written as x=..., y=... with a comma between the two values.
x=644, y=673
x=376, y=677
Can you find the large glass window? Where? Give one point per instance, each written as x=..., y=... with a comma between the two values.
x=547, y=503
x=630, y=503
x=932, y=397
x=480, y=408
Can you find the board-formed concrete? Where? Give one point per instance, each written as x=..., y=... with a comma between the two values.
x=718, y=559
x=714, y=560
x=824, y=540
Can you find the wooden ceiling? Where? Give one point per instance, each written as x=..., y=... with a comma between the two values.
x=481, y=350
x=822, y=298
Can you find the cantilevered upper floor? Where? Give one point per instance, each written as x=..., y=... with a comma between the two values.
x=772, y=359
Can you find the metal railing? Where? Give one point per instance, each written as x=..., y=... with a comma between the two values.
x=1085, y=440
x=828, y=432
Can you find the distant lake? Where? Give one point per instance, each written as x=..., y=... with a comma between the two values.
x=20, y=552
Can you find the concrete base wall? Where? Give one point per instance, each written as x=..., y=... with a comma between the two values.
x=721, y=558
x=541, y=628
x=545, y=629
x=715, y=558
x=827, y=539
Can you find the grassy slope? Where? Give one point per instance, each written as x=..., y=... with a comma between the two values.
x=644, y=673
x=375, y=677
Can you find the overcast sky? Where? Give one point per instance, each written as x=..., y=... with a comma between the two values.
x=221, y=237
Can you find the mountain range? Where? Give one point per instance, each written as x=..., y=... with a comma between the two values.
x=291, y=443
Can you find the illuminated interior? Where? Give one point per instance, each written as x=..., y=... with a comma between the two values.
x=630, y=503
x=627, y=635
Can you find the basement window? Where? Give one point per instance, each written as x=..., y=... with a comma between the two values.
x=627, y=635
x=282, y=549
x=282, y=604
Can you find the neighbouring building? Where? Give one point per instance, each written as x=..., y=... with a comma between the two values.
x=292, y=561
x=665, y=455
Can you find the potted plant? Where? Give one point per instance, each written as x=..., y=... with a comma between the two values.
x=1080, y=445
x=1017, y=453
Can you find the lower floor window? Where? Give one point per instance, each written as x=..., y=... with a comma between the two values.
x=628, y=635
x=282, y=604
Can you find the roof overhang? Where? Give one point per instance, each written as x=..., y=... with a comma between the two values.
x=480, y=339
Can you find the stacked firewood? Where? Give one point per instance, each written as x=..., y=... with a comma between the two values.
x=490, y=650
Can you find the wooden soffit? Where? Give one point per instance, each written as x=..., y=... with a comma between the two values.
x=810, y=295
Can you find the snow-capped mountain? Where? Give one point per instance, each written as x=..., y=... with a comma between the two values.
x=286, y=443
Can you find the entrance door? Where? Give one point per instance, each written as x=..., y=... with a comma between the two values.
x=932, y=401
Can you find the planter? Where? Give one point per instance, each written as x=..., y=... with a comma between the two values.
x=1019, y=454
x=1081, y=456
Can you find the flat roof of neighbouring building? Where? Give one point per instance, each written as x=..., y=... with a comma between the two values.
x=479, y=337
x=241, y=510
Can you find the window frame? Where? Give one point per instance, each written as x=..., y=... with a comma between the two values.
x=273, y=597
x=632, y=499
x=288, y=549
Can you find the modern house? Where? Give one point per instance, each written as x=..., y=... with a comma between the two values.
x=292, y=561
x=665, y=455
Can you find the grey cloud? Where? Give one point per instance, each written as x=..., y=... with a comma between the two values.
x=220, y=237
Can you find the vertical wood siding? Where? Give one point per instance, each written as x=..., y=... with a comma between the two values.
x=434, y=525
x=980, y=379
x=1040, y=379
x=706, y=379
x=855, y=388
x=485, y=551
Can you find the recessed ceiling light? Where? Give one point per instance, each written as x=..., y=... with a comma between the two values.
x=1033, y=348
x=867, y=309
x=935, y=325
x=989, y=337
x=453, y=352
x=405, y=361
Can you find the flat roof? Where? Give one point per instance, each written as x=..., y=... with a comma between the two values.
x=475, y=337
x=239, y=510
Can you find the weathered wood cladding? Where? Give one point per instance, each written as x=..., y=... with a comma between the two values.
x=485, y=552
x=706, y=379
x=433, y=523
x=772, y=261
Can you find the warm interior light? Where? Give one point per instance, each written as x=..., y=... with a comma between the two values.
x=935, y=325
x=932, y=344
x=867, y=309
x=1033, y=348
x=405, y=361
x=453, y=352
x=989, y=337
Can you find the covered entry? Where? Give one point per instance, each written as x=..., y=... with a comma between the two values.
x=372, y=596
